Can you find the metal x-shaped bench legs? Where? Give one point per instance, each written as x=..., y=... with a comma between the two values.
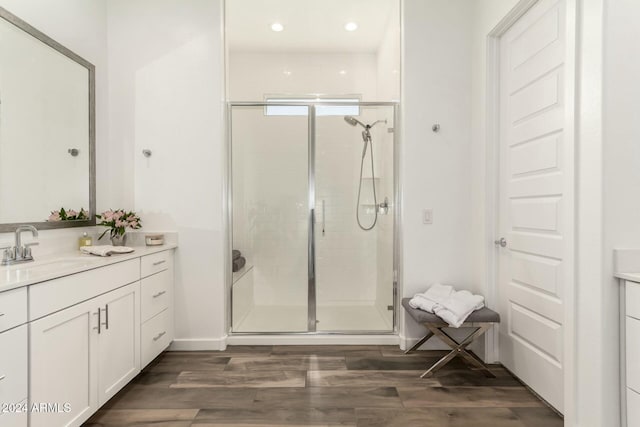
x=457, y=348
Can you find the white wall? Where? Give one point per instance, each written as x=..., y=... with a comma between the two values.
x=487, y=14
x=252, y=75
x=436, y=89
x=165, y=75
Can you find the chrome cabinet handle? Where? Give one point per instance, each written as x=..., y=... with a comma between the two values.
x=106, y=316
x=3, y=377
x=1, y=314
x=99, y=326
x=159, y=262
x=502, y=242
x=160, y=335
x=159, y=294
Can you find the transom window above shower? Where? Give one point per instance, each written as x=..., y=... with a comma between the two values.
x=325, y=106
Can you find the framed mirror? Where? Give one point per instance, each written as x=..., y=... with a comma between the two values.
x=47, y=130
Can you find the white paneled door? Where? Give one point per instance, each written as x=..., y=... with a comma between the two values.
x=536, y=198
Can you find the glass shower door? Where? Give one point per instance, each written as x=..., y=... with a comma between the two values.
x=270, y=215
x=354, y=226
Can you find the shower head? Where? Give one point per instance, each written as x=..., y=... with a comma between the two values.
x=353, y=121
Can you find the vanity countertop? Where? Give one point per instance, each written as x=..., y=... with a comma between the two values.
x=64, y=264
x=633, y=277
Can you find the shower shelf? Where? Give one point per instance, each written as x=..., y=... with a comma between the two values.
x=237, y=275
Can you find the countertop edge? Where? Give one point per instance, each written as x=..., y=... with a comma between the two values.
x=96, y=262
x=632, y=277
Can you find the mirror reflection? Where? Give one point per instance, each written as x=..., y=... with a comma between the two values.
x=46, y=143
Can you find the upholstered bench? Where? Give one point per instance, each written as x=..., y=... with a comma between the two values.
x=481, y=320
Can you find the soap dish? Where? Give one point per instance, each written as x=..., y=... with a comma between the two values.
x=154, y=239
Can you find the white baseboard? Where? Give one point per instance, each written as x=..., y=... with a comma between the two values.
x=198, y=344
x=313, y=340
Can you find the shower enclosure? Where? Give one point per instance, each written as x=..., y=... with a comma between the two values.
x=312, y=197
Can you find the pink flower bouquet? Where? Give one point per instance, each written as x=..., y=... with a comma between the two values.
x=68, y=215
x=118, y=221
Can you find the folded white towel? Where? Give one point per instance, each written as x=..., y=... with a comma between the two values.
x=457, y=307
x=105, y=250
x=427, y=300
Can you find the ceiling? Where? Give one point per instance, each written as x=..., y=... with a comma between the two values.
x=309, y=25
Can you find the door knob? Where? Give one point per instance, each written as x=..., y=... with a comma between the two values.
x=502, y=242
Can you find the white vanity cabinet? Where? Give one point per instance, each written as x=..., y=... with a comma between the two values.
x=631, y=352
x=87, y=335
x=157, y=302
x=83, y=355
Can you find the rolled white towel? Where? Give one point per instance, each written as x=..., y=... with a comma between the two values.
x=457, y=307
x=427, y=300
x=105, y=250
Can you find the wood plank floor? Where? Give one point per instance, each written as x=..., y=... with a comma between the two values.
x=319, y=386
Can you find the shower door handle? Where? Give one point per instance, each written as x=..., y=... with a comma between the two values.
x=311, y=249
x=323, y=217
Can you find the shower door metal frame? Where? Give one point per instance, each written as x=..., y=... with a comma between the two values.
x=311, y=285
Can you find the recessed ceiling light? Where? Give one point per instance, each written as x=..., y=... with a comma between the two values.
x=351, y=26
x=343, y=72
x=277, y=27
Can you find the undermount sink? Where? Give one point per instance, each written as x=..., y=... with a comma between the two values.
x=35, y=269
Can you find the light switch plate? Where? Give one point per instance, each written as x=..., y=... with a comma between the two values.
x=427, y=216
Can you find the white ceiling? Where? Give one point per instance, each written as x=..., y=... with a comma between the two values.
x=309, y=25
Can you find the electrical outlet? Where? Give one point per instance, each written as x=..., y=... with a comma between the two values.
x=427, y=216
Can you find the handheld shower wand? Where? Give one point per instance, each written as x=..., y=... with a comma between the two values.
x=366, y=137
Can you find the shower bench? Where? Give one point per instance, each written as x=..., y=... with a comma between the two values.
x=481, y=320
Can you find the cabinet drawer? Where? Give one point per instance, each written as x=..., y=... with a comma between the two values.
x=157, y=334
x=13, y=366
x=16, y=416
x=54, y=295
x=155, y=263
x=632, y=299
x=13, y=309
x=156, y=294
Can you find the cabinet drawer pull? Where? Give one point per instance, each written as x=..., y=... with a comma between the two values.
x=159, y=262
x=99, y=321
x=159, y=294
x=160, y=335
x=106, y=316
x=2, y=377
x=1, y=314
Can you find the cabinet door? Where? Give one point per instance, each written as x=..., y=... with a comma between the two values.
x=119, y=340
x=63, y=361
x=13, y=377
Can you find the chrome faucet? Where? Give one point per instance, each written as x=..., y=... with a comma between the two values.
x=19, y=252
